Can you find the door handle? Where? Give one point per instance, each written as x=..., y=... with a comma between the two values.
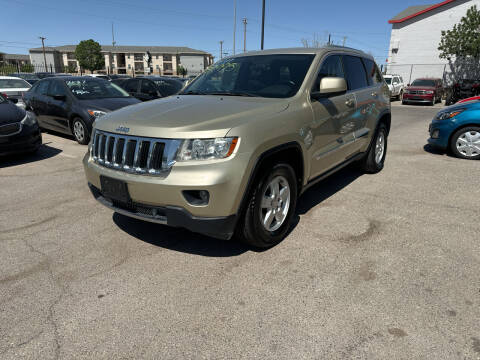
x=350, y=102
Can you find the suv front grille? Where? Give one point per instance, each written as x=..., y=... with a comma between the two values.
x=133, y=154
x=10, y=129
x=417, y=92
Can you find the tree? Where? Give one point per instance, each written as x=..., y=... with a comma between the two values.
x=70, y=68
x=28, y=68
x=181, y=70
x=463, y=40
x=89, y=55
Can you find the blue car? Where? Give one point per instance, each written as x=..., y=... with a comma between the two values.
x=457, y=128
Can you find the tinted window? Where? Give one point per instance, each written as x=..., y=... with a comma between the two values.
x=356, y=77
x=331, y=67
x=168, y=88
x=14, y=83
x=424, y=83
x=275, y=76
x=42, y=87
x=57, y=88
x=83, y=88
x=148, y=88
x=388, y=80
x=131, y=85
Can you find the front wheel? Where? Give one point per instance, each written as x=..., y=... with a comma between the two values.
x=80, y=131
x=374, y=159
x=270, y=208
x=465, y=143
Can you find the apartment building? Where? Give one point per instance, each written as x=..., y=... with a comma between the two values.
x=131, y=60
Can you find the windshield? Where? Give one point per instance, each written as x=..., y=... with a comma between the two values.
x=14, y=84
x=429, y=83
x=94, y=89
x=388, y=80
x=272, y=76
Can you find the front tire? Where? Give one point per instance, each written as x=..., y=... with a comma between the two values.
x=465, y=143
x=374, y=160
x=80, y=131
x=270, y=208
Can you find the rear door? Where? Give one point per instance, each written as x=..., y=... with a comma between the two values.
x=148, y=90
x=132, y=86
x=332, y=120
x=57, y=109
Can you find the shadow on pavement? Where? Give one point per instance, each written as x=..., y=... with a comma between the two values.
x=44, y=152
x=178, y=239
x=185, y=241
x=436, y=151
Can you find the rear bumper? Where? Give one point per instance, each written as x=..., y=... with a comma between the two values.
x=28, y=140
x=217, y=227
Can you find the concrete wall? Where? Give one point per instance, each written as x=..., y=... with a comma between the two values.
x=417, y=41
x=54, y=60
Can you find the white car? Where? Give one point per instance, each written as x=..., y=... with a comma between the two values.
x=395, y=85
x=100, y=76
x=13, y=88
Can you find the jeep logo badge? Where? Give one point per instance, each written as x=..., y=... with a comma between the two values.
x=122, y=129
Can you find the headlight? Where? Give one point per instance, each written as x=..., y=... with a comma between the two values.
x=29, y=119
x=449, y=114
x=96, y=113
x=206, y=149
x=429, y=92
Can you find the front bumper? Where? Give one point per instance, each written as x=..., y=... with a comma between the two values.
x=440, y=132
x=218, y=227
x=28, y=140
x=418, y=98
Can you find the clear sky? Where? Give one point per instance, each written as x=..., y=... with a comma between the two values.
x=199, y=24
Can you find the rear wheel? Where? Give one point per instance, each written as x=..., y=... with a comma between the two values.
x=270, y=208
x=465, y=143
x=434, y=101
x=374, y=159
x=80, y=131
x=400, y=96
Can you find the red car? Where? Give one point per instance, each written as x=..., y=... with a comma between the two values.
x=469, y=99
x=426, y=91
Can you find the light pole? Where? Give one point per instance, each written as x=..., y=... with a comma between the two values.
x=234, y=23
x=44, y=56
x=244, y=34
x=221, y=49
x=263, y=22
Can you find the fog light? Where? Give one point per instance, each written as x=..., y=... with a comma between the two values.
x=435, y=134
x=197, y=197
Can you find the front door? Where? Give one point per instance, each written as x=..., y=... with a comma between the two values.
x=57, y=109
x=333, y=121
x=39, y=103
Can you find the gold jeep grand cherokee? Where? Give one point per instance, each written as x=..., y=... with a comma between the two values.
x=231, y=154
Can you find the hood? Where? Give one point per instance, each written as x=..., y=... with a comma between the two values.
x=10, y=113
x=470, y=105
x=420, y=88
x=108, y=104
x=187, y=116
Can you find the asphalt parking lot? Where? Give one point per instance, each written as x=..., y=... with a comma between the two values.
x=379, y=266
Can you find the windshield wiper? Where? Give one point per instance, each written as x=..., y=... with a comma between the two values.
x=192, y=92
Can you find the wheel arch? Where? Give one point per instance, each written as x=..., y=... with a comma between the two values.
x=386, y=118
x=463, y=126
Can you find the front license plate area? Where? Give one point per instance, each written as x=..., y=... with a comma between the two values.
x=115, y=189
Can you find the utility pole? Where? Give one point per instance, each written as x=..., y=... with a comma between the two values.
x=329, y=38
x=244, y=34
x=234, y=23
x=221, y=49
x=44, y=56
x=263, y=22
x=113, y=37
x=344, y=40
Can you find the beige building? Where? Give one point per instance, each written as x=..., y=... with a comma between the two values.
x=131, y=60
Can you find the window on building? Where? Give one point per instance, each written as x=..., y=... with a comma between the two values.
x=394, y=50
x=139, y=66
x=158, y=67
x=138, y=57
x=167, y=57
x=167, y=67
x=129, y=66
x=71, y=56
x=156, y=57
x=356, y=76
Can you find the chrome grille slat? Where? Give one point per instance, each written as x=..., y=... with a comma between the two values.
x=133, y=154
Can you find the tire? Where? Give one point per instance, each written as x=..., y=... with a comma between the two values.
x=404, y=102
x=448, y=101
x=400, y=96
x=434, y=101
x=374, y=161
x=80, y=131
x=251, y=229
x=465, y=143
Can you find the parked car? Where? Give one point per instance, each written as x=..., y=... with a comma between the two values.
x=469, y=99
x=147, y=88
x=14, y=88
x=28, y=77
x=19, y=131
x=71, y=104
x=100, y=76
x=427, y=91
x=395, y=85
x=119, y=76
x=463, y=89
x=457, y=128
x=233, y=151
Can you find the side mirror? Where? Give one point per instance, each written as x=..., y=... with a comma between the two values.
x=330, y=86
x=59, y=97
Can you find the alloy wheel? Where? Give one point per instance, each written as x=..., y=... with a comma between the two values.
x=380, y=147
x=78, y=130
x=275, y=203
